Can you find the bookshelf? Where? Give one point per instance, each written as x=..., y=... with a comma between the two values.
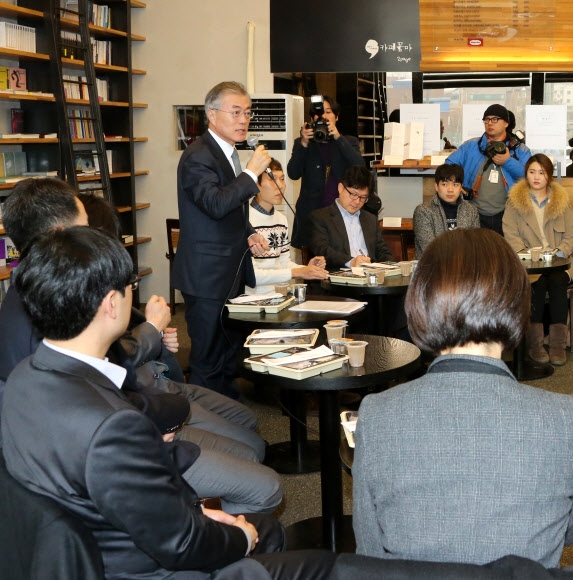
x=117, y=110
x=361, y=115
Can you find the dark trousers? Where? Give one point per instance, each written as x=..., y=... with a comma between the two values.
x=213, y=347
x=492, y=222
x=554, y=283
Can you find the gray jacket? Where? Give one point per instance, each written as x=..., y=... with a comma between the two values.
x=464, y=466
x=430, y=221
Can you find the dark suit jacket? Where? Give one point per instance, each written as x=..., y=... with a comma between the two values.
x=69, y=434
x=328, y=237
x=307, y=163
x=213, y=215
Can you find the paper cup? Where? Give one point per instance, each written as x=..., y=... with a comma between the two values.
x=381, y=276
x=335, y=329
x=337, y=345
x=282, y=288
x=547, y=256
x=535, y=254
x=356, y=352
x=405, y=268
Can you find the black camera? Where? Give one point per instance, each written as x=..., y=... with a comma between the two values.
x=495, y=147
x=320, y=126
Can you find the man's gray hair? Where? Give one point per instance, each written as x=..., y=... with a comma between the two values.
x=217, y=93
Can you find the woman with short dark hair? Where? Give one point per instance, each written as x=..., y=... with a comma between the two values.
x=465, y=464
x=538, y=214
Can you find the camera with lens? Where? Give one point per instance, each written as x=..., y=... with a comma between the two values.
x=494, y=147
x=320, y=126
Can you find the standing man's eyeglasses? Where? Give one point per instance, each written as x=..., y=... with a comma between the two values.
x=362, y=198
x=237, y=114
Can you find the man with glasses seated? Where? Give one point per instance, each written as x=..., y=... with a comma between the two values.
x=490, y=168
x=341, y=232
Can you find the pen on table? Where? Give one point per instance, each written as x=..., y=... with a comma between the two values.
x=361, y=253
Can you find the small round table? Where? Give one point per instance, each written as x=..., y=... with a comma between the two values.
x=299, y=455
x=386, y=359
x=374, y=295
x=523, y=368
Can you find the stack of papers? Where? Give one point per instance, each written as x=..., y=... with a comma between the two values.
x=329, y=307
x=348, y=420
x=272, y=302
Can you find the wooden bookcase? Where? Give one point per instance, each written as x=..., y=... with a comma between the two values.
x=357, y=94
x=117, y=112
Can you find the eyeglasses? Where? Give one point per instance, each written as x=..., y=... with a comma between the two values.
x=493, y=120
x=236, y=114
x=134, y=283
x=362, y=198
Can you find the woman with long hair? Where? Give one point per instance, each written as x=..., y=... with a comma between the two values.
x=538, y=214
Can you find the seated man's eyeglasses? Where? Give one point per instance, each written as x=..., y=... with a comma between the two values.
x=492, y=120
x=236, y=114
x=353, y=195
x=134, y=282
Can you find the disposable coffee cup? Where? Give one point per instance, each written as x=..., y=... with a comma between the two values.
x=282, y=288
x=535, y=254
x=335, y=329
x=299, y=292
x=356, y=352
x=405, y=268
x=371, y=278
x=381, y=276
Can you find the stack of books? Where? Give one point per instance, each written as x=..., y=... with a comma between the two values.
x=273, y=340
x=297, y=362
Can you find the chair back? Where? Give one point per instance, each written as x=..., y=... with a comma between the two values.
x=39, y=539
x=172, y=237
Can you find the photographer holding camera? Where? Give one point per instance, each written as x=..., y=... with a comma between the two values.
x=492, y=164
x=320, y=156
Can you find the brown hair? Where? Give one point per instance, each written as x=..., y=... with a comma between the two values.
x=546, y=165
x=469, y=287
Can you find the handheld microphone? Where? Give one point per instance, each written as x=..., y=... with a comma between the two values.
x=253, y=143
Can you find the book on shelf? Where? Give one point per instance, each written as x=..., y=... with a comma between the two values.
x=17, y=37
x=17, y=79
x=272, y=303
x=127, y=238
x=38, y=174
x=4, y=77
x=80, y=128
x=17, y=120
x=267, y=341
x=2, y=251
x=87, y=163
x=12, y=254
x=298, y=363
x=20, y=136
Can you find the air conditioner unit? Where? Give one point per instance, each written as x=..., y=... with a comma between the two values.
x=276, y=123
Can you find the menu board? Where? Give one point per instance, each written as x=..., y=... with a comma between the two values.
x=486, y=35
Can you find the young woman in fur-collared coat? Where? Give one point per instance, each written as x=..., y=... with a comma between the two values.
x=538, y=214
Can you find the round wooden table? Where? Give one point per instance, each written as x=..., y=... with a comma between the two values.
x=299, y=455
x=386, y=359
x=374, y=295
x=524, y=368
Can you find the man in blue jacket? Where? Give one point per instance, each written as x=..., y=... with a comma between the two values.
x=490, y=174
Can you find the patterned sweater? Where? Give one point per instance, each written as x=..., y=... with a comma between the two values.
x=275, y=266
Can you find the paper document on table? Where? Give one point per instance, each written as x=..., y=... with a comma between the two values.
x=328, y=306
x=348, y=420
x=254, y=298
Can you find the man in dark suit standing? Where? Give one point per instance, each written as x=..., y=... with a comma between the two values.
x=71, y=434
x=213, y=260
x=341, y=232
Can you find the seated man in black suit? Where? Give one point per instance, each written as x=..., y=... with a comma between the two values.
x=341, y=232
x=71, y=434
x=228, y=467
x=347, y=236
